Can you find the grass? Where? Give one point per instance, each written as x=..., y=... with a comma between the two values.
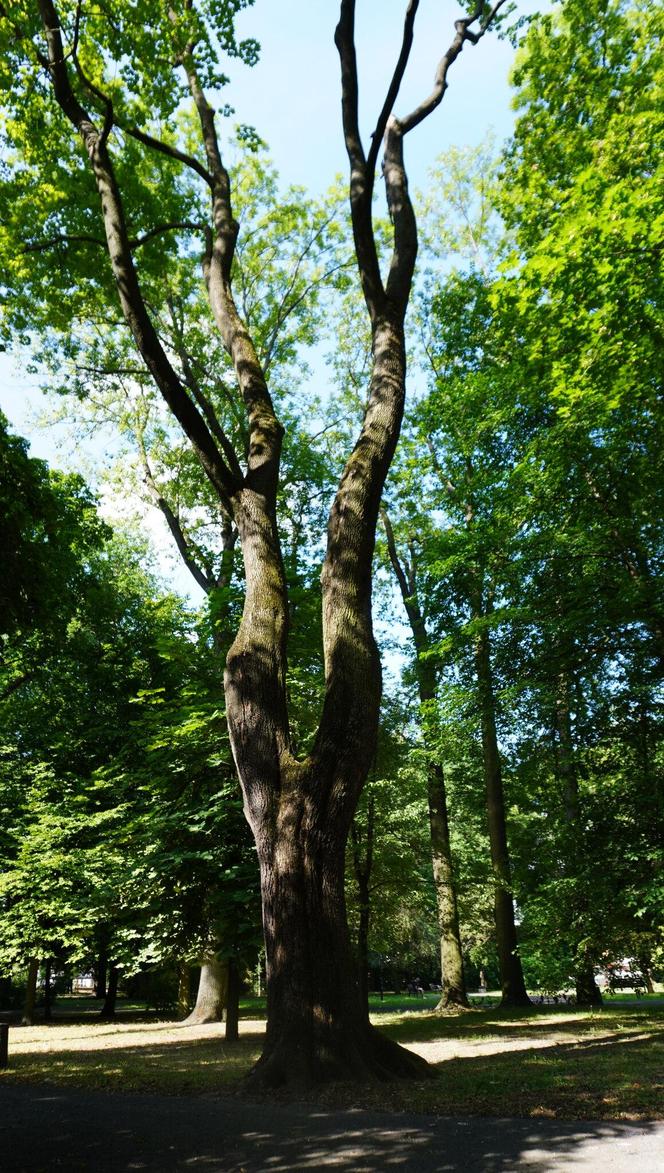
x=555, y=1062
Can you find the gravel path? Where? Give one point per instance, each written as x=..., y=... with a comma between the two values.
x=46, y=1129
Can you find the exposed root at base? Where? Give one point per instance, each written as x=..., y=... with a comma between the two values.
x=373, y=1059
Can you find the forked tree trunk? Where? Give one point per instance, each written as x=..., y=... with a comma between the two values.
x=512, y=982
x=28, y=1016
x=212, y=993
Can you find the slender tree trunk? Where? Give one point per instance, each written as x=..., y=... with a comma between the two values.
x=232, y=1031
x=363, y=942
x=212, y=995
x=184, y=989
x=587, y=990
x=28, y=1017
x=451, y=960
x=101, y=969
x=108, y=1009
x=511, y=974
x=362, y=867
x=453, y=981
x=48, y=999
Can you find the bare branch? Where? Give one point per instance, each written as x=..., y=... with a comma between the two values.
x=130, y=294
x=41, y=246
x=160, y=229
x=202, y=576
x=463, y=33
x=155, y=144
x=394, y=87
x=361, y=181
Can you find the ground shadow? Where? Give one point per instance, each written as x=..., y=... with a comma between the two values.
x=87, y=1130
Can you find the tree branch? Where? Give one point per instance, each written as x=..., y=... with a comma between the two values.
x=394, y=87
x=265, y=430
x=361, y=180
x=131, y=299
x=155, y=144
x=463, y=33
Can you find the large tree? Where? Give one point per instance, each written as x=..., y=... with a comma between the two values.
x=105, y=93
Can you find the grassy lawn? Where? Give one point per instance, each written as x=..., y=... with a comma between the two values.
x=551, y=1061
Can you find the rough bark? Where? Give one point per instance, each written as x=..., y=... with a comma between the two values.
x=28, y=1016
x=588, y=992
x=317, y=1026
x=212, y=994
x=511, y=974
x=451, y=957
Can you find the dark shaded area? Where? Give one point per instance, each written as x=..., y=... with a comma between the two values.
x=95, y=1130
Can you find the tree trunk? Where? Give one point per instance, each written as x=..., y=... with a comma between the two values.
x=511, y=974
x=184, y=989
x=451, y=958
x=363, y=943
x=30, y=993
x=212, y=995
x=362, y=868
x=317, y=1025
x=101, y=969
x=108, y=1009
x=232, y=1032
x=48, y=998
x=588, y=992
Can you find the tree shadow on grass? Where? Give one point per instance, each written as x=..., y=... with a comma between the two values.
x=599, y=1078
x=513, y=1024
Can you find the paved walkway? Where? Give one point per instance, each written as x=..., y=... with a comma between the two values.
x=44, y=1129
